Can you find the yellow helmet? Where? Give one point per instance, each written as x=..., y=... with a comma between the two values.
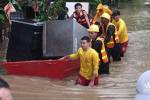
x=93, y=28
x=106, y=15
x=100, y=6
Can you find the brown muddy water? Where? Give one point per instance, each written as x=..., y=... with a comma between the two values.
x=119, y=85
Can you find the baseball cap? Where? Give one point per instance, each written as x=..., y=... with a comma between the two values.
x=143, y=87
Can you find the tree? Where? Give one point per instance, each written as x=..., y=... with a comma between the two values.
x=55, y=8
x=3, y=2
x=51, y=12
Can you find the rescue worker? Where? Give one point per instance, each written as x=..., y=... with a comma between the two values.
x=63, y=14
x=89, y=63
x=111, y=39
x=121, y=30
x=100, y=10
x=81, y=15
x=98, y=45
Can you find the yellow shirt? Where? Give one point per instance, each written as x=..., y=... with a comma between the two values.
x=122, y=30
x=89, y=62
x=105, y=9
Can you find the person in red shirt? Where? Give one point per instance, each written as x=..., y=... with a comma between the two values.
x=81, y=15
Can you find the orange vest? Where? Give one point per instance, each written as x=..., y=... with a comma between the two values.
x=113, y=39
x=103, y=51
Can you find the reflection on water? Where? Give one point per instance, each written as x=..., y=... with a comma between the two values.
x=137, y=17
x=120, y=84
x=136, y=14
x=124, y=74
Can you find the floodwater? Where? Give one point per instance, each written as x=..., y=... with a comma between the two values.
x=119, y=85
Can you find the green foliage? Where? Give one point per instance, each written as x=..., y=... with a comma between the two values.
x=59, y=6
x=50, y=12
x=2, y=18
x=43, y=15
x=93, y=4
x=56, y=8
x=3, y=2
x=2, y=13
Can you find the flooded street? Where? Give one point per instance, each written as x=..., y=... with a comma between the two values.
x=119, y=85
